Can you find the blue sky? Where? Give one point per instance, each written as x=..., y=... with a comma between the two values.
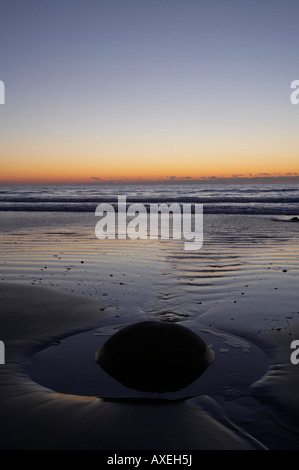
x=147, y=84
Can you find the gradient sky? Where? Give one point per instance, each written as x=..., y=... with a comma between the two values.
x=147, y=88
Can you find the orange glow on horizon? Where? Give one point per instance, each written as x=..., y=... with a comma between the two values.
x=31, y=179
x=69, y=168
x=78, y=158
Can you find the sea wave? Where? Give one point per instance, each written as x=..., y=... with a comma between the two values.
x=216, y=208
x=234, y=199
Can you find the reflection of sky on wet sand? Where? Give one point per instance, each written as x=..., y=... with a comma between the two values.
x=247, y=264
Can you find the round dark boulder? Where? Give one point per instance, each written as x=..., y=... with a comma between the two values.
x=153, y=356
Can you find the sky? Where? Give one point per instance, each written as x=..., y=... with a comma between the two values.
x=148, y=89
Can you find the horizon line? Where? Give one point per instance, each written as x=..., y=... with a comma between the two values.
x=262, y=178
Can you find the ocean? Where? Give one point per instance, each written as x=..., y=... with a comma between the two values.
x=272, y=199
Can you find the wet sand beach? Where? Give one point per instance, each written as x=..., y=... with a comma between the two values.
x=63, y=293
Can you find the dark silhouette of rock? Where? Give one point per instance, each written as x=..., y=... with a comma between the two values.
x=294, y=219
x=154, y=356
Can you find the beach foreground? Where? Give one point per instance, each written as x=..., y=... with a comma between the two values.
x=39, y=418
x=62, y=297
